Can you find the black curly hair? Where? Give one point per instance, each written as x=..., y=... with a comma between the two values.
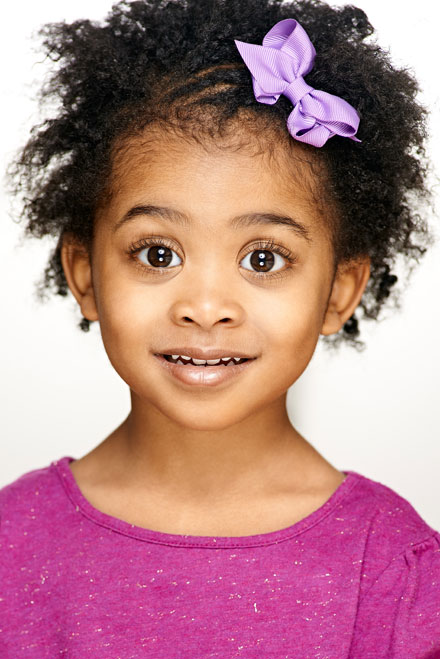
x=152, y=60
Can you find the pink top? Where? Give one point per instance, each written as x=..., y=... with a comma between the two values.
x=358, y=578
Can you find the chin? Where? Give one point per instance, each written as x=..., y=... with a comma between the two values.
x=206, y=422
x=208, y=418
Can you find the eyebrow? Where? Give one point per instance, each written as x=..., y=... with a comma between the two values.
x=245, y=220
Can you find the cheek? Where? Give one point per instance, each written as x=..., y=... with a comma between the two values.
x=295, y=318
x=291, y=344
x=127, y=323
x=131, y=311
x=291, y=327
x=128, y=311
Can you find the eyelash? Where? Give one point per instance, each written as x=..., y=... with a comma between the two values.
x=268, y=245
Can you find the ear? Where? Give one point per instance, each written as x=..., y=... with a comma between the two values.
x=348, y=287
x=78, y=272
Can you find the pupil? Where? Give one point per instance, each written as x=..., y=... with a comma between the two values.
x=264, y=260
x=158, y=256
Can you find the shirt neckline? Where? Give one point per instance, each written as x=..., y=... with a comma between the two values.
x=61, y=467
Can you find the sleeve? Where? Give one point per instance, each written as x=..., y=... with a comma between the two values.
x=399, y=616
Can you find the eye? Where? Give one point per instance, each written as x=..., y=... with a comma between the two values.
x=263, y=260
x=158, y=256
x=266, y=259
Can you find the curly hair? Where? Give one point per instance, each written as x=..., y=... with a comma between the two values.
x=153, y=58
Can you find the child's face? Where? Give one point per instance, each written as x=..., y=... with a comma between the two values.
x=211, y=295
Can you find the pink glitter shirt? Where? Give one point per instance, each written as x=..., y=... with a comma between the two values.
x=358, y=578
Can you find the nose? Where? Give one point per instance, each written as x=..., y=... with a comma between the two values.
x=206, y=306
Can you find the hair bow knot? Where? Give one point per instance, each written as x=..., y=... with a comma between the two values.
x=278, y=66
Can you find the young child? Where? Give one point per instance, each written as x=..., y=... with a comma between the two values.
x=227, y=181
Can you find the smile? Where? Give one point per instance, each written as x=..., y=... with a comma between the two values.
x=184, y=359
x=201, y=373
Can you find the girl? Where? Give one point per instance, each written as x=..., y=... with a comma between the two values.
x=227, y=181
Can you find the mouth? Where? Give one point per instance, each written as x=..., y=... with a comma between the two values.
x=205, y=363
x=201, y=373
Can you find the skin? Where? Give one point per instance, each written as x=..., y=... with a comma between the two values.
x=222, y=460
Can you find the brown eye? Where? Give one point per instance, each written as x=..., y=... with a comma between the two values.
x=158, y=256
x=263, y=260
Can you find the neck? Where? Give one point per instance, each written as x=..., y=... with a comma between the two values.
x=152, y=453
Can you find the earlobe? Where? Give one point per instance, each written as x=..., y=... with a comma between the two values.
x=75, y=260
x=348, y=287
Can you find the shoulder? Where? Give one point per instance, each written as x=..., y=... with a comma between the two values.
x=24, y=499
x=390, y=524
x=399, y=591
x=392, y=517
x=28, y=484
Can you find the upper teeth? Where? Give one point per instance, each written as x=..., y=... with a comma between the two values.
x=206, y=361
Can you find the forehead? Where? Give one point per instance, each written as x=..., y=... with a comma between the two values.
x=242, y=172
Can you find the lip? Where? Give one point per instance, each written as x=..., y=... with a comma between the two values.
x=204, y=353
x=203, y=376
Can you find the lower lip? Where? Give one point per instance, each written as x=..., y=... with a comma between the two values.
x=203, y=376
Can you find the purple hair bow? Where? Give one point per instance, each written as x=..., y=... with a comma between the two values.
x=278, y=67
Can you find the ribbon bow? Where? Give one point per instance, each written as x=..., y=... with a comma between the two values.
x=278, y=67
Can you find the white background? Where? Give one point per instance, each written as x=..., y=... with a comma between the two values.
x=374, y=412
